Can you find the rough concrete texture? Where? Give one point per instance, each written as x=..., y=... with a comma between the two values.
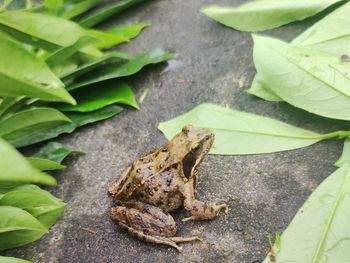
x=264, y=192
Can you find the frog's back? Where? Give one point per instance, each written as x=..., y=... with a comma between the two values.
x=161, y=190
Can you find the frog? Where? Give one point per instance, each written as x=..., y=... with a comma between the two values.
x=160, y=182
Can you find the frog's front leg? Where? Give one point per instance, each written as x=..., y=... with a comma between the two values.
x=199, y=210
x=148, y=223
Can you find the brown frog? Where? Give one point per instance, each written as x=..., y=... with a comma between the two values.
x=160, y=182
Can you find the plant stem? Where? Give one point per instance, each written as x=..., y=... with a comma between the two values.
x=339, y=134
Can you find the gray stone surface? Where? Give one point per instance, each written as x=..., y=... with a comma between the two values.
x=264, y=191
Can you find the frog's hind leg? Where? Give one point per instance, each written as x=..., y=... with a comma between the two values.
x=148, y=223
x=169, y=241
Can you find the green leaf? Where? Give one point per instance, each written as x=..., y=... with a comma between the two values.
x=56, y=32
x=319, y=232
x=308, y=79
x=117, y=35
x=345, y=157
x=12, y=260
x=330, y=34
x=95, y=98
x=18, y=227
x=129, y=31
x=240, y=133
x=39, y=203
x=53, y=5
x=64, y=53
x=73, y=9
x=28, y=122
x=260, y=89
x=266, y=14
x=102, y=61
x=31, y=77
x=44, y=164
x=106, y=39
x=16, y=169
x=8, y=103
x=55, y=151
x=128, y=68
x=106, y=12
x=78, y=119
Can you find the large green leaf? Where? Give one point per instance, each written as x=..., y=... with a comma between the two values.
x=78, y=119
x=312, y=80
x=56, y=32
x=320, y=232
x=91, y=65
x=239, y=132
x=55, y=151
x=44, y=164
x=106, y=12
x=18, y=227
x=39, y=203
x=345, y=156
x=21, y=73
x=95, y=98
x=330, y=34
x=16, y=169
x=12, y=260
x=128, y=68
x=266, y=14
x=28, y=122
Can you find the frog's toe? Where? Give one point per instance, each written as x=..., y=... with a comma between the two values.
x=185, y=239
x=222, y=206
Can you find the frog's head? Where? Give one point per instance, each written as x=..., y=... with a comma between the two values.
x=193, y=144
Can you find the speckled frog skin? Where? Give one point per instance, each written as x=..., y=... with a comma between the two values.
x=160, y=182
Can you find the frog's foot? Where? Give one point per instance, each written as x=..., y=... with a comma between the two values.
x=214, y=211
x=152, y=239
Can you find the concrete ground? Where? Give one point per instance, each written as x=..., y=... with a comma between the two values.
x=213, y=64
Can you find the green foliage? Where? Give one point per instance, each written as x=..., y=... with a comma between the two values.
x=33, y=78
x=41, y=53
x=55, y=151
x=18, y=227
x=123, y=69
x=106, y=12
x=261, y=15
x=16, y=169
x=95, y=98
x=306, y=78
x=39, y=203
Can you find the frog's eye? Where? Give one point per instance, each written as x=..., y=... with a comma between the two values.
x=185, y=130
x=196, y=147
